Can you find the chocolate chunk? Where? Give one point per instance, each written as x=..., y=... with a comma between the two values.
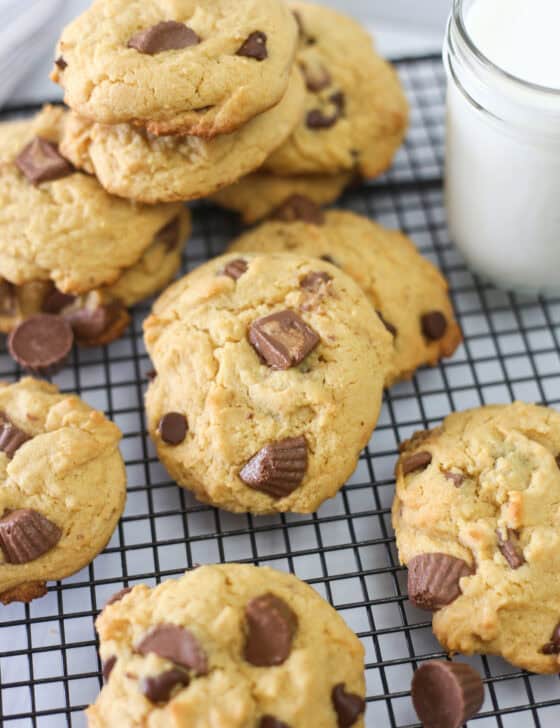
x=158, y=688
x=279, y=468
x=553, y=647
x=55, y=301
x=298, y=208
x=90, y=324
x=418, y=461
x=348, y=706
x=271, y=626
x=107, y=667
x=165, y=36
x=446, y=694
x=41, y=344
x=117, y=596
x=8, y=300
x=457, y=478
x=25, y=535
x=254, y=46
x=169, y=234
x=283, y=340
x=61, y=63
x=316, y=119
x=176, y=644
x=173, y=428
x=316, y=79
x=269, y=721
x=236, y=268
x=434, y=325
x=11, y=437
x=510, y=548
x=390, y=328
x=315, y=281
x=40, y=161
x=433, y=580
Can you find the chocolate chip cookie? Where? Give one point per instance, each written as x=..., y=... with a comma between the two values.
x=63, y=486
x=177, y=66
x=133, y=163
x=229, y=645
x=477, y=515
x=408, y=293
x=270, y=370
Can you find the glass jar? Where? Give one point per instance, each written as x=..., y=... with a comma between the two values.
x=502, y=166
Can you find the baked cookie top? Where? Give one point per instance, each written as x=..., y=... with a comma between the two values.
x=477, y=519
x=356, y=112
x=407, y=291
x=228, y=645
x=60, y=225
x=132, y=163
x=270, y=370
x=63, y=486
x=177, y=66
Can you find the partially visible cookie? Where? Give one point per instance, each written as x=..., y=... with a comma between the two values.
x=270, y=371
x=477, y=520
x=231, y=646
x=132, y=163
x=177, y=66
x=258, y=195
x=63, y=486
x=356, y=112
x=407, y=291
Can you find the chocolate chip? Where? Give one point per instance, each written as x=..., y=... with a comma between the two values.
x=317, y=78
x=316, y=119
x=278, y=468
x=315, y=281
x=107, y=667
x=55, y=301
x=510, y=548
x=173, y=428
x=339, y=100
x=553, y=647
x=348, y=706
x=269, y=721
x=117, y=596
x=25, y=535
x=434, y=325
x=40, y=161
x=418, y=461
x=329, y=259
x=169, y=234
x=11, y=437
x=298, y=208
x=151, y=375
x=90, y=324
x=283, y=339
x=158, y=688
x=236, y=268
x=176, y=644
x=271, y=626
x=165, y=36
x=254, y=46
x=433, y=580
x=457, y=478
x=41, y=344
x=446, y=694
x=8, y=300
x=390, y=328
x=61, y=63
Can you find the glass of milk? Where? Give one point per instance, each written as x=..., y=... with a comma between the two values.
x=503, y=140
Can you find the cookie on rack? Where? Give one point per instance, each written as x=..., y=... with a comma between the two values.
x=177, y=66
x=407, y=291
x=270, y=371
x=230, y=645
x=356, y=112
x=63, y=489
x=477, y=519
x=133, y=163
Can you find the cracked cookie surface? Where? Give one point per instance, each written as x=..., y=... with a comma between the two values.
x=482, y=492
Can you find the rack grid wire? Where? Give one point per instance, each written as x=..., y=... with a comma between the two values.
x=49, y=667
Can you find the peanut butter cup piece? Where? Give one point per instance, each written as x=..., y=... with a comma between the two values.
x=40, y=161
x=283, y=339
x=315, y=281
x=25, y=535
x=236, y=268
x=418, y=461
x=299, y=208
x=446, y=694
x=41, y=344
x=158, y=688
x=269, y=721
x=176, y=644
x=278, y=468
x=456, y=478
x=91, y=325
x=553, y=647
x=348, y=706
x=271, y=626
x=11, y=437
x=434, y=325
x=508, y=543
x=255, y=46
x=165, y=36
x=433, y=580
x=173, y=428
x=55, y=301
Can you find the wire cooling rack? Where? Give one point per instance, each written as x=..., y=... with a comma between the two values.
x=49, y=665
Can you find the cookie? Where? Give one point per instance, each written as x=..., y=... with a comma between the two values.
x=356, y=112
x=407, y=291
x=132, y=163
x=60, y=225
x=477, y=514
x=270, y=370
x=63, y=490
x=177, y=66
x=258, y=195
x=230, y=645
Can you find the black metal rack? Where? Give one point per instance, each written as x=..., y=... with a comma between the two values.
x=49, y=669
